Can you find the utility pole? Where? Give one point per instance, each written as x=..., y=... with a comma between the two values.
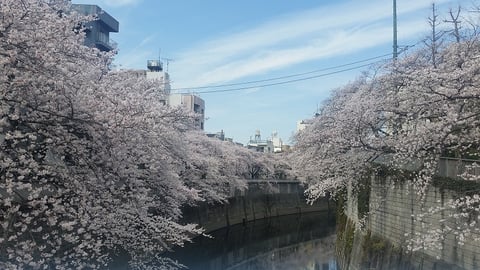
x=395, y=45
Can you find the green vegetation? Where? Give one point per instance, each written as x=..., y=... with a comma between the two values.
x=345, y=230
x=363, y=197
x=373, y=244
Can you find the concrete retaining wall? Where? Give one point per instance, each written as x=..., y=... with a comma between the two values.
x=258, y=202
x=391, y=216
x=392, y=207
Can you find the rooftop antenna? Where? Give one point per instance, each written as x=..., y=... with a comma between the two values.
x=167, y=61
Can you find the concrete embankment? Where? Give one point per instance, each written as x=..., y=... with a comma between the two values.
x=259, y=201
x=389, y=207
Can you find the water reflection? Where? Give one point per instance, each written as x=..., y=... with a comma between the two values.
x=304, y=241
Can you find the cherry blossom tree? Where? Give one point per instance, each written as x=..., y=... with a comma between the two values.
x=94, y=165
x=89, y=157
x=404, y=115
x=211, y=167
x=344, y=138
x=217, y=168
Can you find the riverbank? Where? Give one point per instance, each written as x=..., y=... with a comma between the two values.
x=255, y=203
x=378, y=223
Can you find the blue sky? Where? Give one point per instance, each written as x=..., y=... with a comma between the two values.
x=217, y=42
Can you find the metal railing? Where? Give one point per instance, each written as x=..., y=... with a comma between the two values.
x=107, y=42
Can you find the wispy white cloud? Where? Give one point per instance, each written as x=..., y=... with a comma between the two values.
x=145, y=41
x=136, y=56
x=291, y=39
x=109, y=3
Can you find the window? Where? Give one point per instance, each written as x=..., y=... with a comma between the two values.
x=196, y=108
x=103, y=37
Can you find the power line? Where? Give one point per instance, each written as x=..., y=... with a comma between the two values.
x=281, y=77
x=405, y=48
x=283, y=82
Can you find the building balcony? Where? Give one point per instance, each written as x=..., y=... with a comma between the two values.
x=106, y=45
x=103, y=17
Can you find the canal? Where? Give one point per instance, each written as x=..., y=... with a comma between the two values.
x=301, y=241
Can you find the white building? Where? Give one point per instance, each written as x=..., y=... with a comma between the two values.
x=155, y=72
x=259, y=145
x=277, y=143
x=191, y=103
x=303, y=124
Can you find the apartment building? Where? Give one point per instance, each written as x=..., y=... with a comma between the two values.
x=98, y=31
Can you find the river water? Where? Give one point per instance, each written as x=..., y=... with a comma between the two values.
x=304, y=241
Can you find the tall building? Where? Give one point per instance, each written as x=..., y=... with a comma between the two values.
x=98, y=31
x=193, y=104
x=190, y=102
x=155, y=72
